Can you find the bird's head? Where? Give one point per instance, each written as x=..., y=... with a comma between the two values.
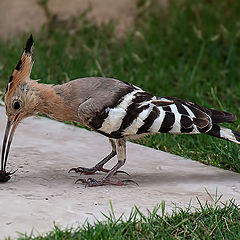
x=20, y=98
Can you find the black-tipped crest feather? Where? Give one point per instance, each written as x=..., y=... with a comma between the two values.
x=29, y=44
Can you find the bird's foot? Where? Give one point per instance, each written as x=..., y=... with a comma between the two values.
x=90, y=171
x=91, y=182
x=86, y=171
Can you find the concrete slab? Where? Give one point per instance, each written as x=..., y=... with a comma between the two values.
x=43, y=192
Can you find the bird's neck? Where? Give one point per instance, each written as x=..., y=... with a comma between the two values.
x=51, y=103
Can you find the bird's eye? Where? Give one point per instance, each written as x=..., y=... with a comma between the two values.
x=16, y=105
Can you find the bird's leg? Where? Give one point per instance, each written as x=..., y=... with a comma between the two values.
x=99, y=165
x=121, y=154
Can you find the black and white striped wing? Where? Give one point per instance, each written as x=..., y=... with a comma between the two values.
x=126, y=118
x=179, y=118
x=139, y=112
x=135, y=112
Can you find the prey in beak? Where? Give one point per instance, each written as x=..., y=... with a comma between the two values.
x=7, y=140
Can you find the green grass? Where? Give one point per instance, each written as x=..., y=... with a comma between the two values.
x=192, y=51
x=209, y=221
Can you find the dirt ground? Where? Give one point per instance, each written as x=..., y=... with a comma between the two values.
x=19, y=16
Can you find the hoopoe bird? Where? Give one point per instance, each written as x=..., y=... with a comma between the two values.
x=116, y=109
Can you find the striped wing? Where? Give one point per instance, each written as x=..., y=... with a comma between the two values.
x=135, y=112
x=139, y=112
x=127, y=116
x=180, y=117
x=215, y=115
x=117, y=109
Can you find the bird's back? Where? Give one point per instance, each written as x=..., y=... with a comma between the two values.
x=118, y=109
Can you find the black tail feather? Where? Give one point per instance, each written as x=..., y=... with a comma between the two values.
x=224, y=133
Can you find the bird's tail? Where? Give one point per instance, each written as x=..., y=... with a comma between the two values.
x=224, y=133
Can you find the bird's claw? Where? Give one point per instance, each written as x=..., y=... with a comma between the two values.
x=90, y=171
x=130, y=181
x=91, y=182
x=121, y=172
x=82, y=170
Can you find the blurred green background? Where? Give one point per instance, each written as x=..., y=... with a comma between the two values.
x=189, y=49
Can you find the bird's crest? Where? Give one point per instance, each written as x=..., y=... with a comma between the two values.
x=23, y=69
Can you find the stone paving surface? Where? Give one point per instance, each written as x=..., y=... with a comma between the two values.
x=42, y=192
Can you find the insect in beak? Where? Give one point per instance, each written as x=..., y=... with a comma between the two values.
x=7, y=140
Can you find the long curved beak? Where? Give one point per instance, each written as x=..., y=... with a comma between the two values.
x=7, y=140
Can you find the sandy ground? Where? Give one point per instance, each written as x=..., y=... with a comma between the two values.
x=42, y=192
